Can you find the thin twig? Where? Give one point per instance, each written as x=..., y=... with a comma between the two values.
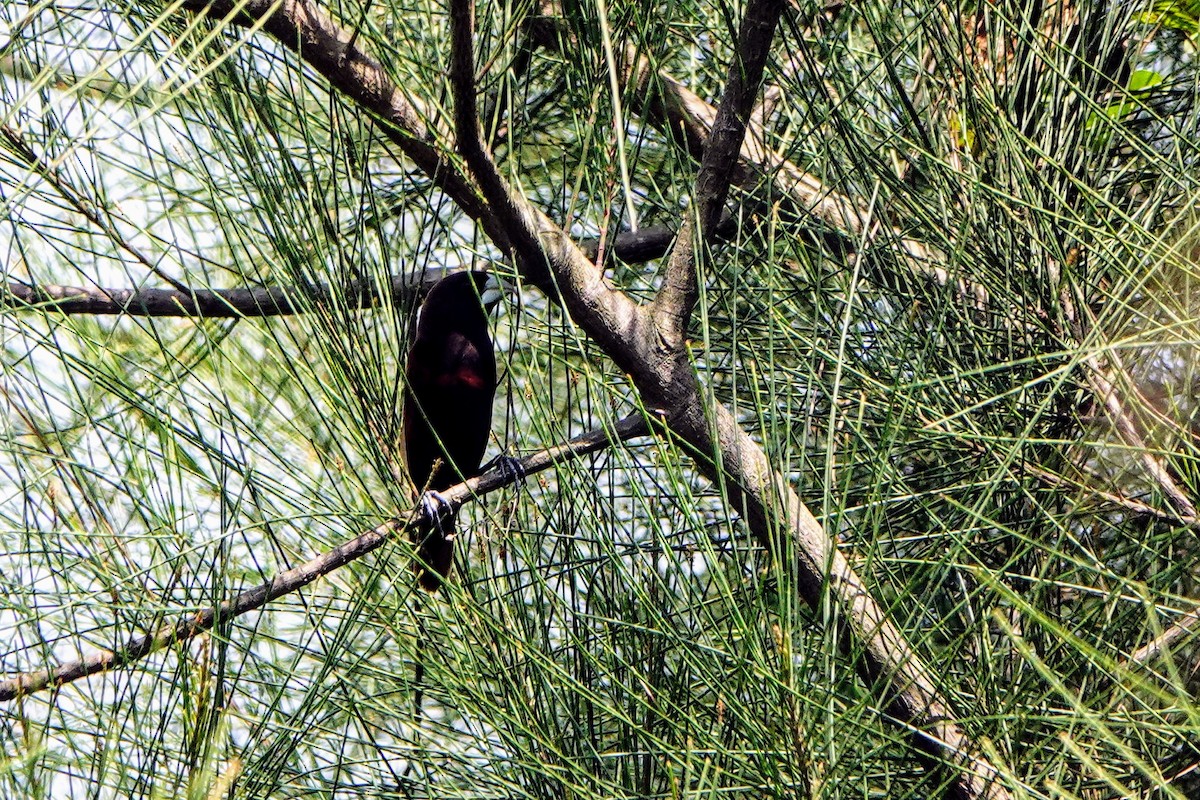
x=1129, y=433
x=1058, y=481
x=296, y=578
x=1166, y=640
x=52, y=175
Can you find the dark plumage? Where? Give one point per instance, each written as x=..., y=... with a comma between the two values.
x=448, y=402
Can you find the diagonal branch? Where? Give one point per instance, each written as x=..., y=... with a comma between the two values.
x=309, y=32
x=665, y=379
x=548, y=256
x=669, y=105
x=297, y=578
x=680, y=290
x=52, y=175
x=1128, y=430
x=1187, y=624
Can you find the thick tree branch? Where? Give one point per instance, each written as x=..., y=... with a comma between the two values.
x=725, y=453
x=551, y=260
x=308, y=31
x=297, y=578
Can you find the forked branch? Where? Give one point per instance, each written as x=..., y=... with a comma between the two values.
x=680, y=290
x=659, y=365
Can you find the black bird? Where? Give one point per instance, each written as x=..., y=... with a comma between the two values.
x=448, y=402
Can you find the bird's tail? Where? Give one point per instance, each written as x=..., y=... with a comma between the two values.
x=435, y=553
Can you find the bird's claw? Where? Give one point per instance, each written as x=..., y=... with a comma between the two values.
x=437, y=508
x=510, y=468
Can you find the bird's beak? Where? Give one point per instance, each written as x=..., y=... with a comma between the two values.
x=494, y=291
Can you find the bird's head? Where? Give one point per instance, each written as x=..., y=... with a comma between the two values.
x=492, y=289
x=461, y=299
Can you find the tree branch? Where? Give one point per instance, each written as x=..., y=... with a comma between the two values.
x=726, y=454
x=84, y=206
x=1129, y=433
x=630, y=247
x=297, y=578
x=1182, y=629
x=267, y=301
x=680, y=290
x=665, y=379
x=677, y=111
x=548, y=256
x=308, y=31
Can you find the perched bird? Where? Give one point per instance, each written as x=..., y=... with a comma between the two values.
x=448, y=403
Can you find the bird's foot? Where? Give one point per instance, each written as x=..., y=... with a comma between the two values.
x=437, y=508
x=509, y=467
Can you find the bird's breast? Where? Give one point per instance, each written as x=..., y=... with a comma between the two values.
x=465, y=377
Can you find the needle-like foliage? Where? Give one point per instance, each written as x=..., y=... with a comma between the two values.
x=951, y=297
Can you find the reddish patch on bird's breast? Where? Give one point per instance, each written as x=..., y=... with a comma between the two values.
x=467, y=376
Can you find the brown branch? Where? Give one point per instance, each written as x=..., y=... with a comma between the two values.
x=1127, y=429
x=664, y=376
x=297, y=578
x=677, y=111
x=647, y=244
x=471, y=145
x=209, y=303
x=665, y=379
x=1150, y=651
x=548, y=256
x=308, y=31
x=630, y=247
x=680, y=288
